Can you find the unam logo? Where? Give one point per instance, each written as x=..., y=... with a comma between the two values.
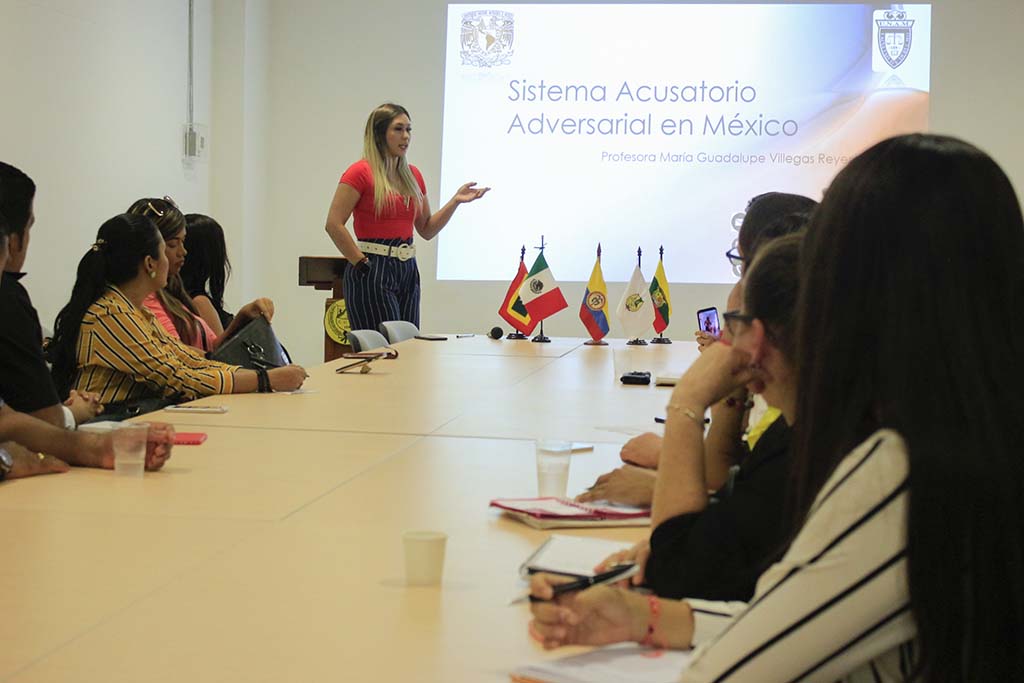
x=487, y=37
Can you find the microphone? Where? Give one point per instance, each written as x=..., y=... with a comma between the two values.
x=496, y=333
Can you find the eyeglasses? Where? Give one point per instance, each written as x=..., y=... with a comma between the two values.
x=730, y=316
x=735, y=260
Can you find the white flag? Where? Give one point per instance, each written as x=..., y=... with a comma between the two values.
x=635, y=312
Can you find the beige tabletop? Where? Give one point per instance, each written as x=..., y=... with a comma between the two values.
x=320, y=596
x=272, y=552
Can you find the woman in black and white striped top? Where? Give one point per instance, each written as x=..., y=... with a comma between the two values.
x=909, y=564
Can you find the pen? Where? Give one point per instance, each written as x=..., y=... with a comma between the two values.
x=618, y=572
x=464, y=336
x=661, y=420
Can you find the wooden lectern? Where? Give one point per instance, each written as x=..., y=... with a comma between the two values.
x=325, y=273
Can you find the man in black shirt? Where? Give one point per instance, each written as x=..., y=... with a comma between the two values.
x=25, y=380
x=24, y=439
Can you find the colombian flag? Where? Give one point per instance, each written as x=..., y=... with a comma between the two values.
x=594, y=309
x=660, y=299
x=512, y=309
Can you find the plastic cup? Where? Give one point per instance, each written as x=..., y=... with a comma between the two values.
x=552, y=467
x=424, y=557
x=130, y=449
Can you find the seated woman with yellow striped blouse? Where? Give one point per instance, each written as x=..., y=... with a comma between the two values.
x=106, y=341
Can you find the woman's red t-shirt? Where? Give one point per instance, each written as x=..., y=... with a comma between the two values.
x=396, y=219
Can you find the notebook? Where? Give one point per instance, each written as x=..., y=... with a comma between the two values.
x=570, y=555
x=612, y=664
x=563, y=513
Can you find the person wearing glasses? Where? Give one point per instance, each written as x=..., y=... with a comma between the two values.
x=768, y=215
x=172, y=306
x=908, y=479
x=764, y=218
x=716, y=552
x=107, y=341
x=387, y=198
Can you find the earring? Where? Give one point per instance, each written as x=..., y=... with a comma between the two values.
x=152, y=275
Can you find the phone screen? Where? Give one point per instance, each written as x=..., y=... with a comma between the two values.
x=707, y=321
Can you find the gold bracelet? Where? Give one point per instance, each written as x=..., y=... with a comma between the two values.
x=697, y=419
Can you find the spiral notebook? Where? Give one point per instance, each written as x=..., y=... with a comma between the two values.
x=561, y=513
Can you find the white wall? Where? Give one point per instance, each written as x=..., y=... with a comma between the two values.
x=94, y=98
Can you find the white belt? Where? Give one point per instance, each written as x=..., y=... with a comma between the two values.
x=402, y=252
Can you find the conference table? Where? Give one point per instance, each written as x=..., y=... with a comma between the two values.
x=272, y=552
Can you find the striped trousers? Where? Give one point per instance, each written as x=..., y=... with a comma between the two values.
x=389, y=291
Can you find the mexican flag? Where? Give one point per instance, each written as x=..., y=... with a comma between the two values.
x=660, y=299
x=540, y=292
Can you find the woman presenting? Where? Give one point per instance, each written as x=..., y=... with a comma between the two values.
x=387, y=198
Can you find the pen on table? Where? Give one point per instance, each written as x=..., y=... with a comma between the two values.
x=661, y=420
x=464, y=336
x=619, y=572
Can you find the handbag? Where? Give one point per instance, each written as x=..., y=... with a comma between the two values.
x=123, y=410
x=255, y=347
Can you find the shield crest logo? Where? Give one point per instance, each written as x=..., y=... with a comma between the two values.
x=634, y=302
x=487, y=37
x=895, y=35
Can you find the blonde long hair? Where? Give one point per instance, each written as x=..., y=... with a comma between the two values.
x=375, y=151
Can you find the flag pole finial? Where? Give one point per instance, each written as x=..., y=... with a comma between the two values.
x=638, y=254
x=542, y=244
x=522, y=253
x=598, y=251
x=661, y=252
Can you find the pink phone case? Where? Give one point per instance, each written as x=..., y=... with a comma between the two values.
x=189, y=438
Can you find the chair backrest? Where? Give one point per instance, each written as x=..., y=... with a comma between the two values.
x=366, y=340
x=398, y=330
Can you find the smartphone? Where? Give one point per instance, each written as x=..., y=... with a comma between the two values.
x=707, y=321
x=189, y=438
x=197, y=409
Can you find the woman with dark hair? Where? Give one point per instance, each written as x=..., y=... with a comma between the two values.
x=716, y=547
x=172, y=306
x=769, y=215
x=909, y=481
x=107, y=341
x=387, y=198
x=207, y=269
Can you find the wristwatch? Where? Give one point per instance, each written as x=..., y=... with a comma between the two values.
x=6, y=463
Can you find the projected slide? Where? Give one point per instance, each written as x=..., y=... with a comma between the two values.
x=649, y=125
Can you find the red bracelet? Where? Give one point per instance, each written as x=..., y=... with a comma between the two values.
x=652, y=624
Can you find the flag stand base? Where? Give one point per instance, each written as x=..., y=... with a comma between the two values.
x=660, y=339
x=516, y=335
x=595, y=342
x=636, y=342
x=540, y=338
